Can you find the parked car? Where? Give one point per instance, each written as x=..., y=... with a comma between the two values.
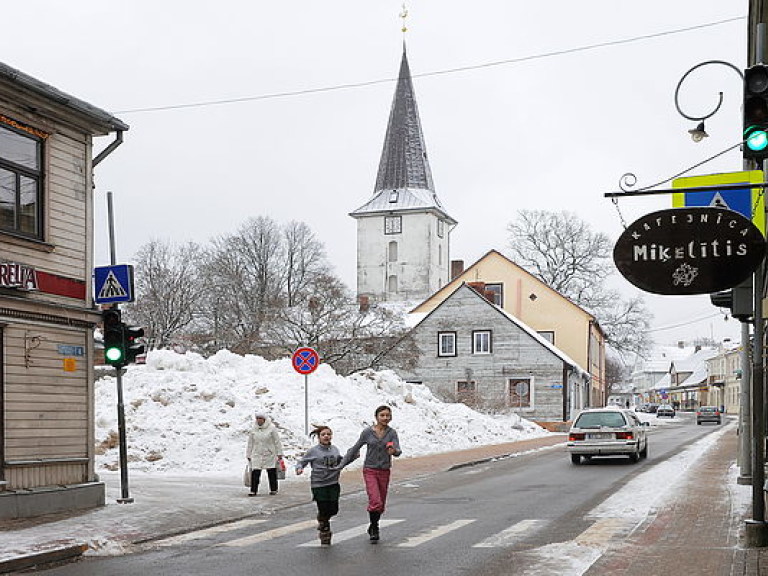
x=665, y=410
x=708, y=414
x=607, y=432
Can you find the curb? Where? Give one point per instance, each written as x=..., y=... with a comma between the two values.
x=44, y=557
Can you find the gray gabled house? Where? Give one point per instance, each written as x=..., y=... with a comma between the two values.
x=470, y=350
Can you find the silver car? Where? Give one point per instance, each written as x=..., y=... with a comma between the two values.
x=607, y=432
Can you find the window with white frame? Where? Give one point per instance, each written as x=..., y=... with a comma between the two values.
x=520, y=392
x=481, y=342
x=446, y=343
x=392, y=284
x=440, y=228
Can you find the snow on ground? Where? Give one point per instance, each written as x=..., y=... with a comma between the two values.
x=188, y=414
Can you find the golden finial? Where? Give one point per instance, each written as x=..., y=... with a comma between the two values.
x=404, y=15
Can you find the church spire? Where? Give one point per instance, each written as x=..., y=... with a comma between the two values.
x=404, y=162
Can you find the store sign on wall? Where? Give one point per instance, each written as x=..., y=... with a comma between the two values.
x=15, y=275
x=696, y=250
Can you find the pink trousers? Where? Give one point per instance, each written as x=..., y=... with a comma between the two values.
x=376, y=485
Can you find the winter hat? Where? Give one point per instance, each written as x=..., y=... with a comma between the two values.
x=260, y=414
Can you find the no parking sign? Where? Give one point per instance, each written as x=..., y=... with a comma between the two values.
x=305, y=361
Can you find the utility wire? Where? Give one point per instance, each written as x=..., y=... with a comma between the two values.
x=456, y=70
x=684, y=323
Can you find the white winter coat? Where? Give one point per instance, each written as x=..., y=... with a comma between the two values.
x=264, y=446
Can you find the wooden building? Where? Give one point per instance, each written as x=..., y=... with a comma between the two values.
x=566, y=325
x=471, y=350
x=47, y=315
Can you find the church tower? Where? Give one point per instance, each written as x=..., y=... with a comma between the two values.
x=403, y=231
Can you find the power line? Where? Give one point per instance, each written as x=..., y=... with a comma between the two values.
x=456, y=70
x=684, y=323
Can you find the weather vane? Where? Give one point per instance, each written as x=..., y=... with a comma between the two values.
x=404, y=15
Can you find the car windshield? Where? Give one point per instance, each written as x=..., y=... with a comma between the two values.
x=598, y=419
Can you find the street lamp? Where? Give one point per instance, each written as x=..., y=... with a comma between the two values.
x=698, y=134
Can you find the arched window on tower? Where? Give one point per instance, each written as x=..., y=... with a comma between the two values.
x=392, y=284
x=392, y=253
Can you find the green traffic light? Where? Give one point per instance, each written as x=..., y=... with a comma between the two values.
x=113, y=354
x=757, y=139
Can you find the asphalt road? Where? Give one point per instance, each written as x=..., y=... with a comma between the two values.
x=510, y=516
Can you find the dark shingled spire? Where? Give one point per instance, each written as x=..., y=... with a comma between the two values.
x=404, y=157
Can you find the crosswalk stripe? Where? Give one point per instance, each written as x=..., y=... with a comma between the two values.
x=212, y=531
x=510, y=535
x=270, y=534
x=434, y=533
x=355, y=532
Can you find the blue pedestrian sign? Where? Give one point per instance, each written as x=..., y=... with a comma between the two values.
x=113, y=284
x=747, y=201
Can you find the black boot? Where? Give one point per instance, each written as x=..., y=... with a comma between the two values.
x=373, y=529
x=324, y=527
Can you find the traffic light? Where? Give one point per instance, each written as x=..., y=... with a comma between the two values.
x=114, y=337
x=133, y=347
x=738, y=300
x=756, y=112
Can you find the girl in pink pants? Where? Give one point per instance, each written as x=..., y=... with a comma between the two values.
x=381, y=444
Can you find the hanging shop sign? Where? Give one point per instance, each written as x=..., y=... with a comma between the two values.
x=692, y=250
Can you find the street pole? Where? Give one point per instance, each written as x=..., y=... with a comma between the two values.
x=745, y=418
x=124, y=495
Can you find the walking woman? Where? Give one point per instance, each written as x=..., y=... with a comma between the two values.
x=264, y=452
x=381, y=444
x=324, y=458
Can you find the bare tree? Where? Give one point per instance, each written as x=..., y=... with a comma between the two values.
x=252, y=276
x=565, y=253
x=167, y=289
x=348, y=337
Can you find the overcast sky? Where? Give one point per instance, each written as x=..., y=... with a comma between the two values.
x=536, y=105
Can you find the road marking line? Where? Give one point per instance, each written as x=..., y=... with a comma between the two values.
x=434, y=533
x=271, y=534
x=510, y=535
x=355, y=532
x=212, y=531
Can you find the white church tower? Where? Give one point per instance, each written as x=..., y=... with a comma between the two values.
x=403, y=231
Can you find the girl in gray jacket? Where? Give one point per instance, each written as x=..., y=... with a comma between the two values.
x=324, y=458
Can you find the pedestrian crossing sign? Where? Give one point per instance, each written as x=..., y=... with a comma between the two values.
x=748, y=201
x=113, y=284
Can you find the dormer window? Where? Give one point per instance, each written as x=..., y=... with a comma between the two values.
x=393, y=196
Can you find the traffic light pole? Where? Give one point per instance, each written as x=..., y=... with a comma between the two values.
x=124, y=494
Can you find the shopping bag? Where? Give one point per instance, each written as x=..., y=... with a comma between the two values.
x=280, y=466
x=247, y=475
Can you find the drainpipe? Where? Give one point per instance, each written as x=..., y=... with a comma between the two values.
x=108, y=150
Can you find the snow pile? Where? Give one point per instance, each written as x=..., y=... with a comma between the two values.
x=188, y=414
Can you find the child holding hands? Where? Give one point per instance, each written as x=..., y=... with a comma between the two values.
x=324, y=458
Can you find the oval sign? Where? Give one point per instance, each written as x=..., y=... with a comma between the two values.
x=695, y=250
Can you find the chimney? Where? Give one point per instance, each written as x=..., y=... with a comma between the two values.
x=457, y=268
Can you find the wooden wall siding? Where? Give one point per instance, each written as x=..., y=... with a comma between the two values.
x=47, y=410
x=53, y=474
x=515, y=354
x=67, y=199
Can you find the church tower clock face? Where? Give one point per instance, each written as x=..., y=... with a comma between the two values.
x=393, y=224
